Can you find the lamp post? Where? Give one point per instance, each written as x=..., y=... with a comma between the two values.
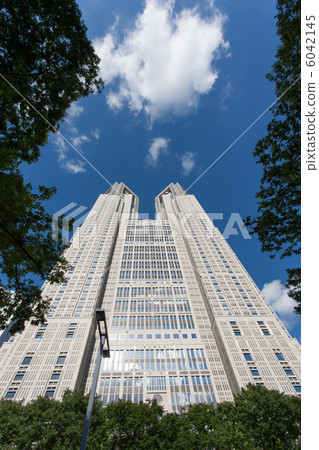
x=101, y=322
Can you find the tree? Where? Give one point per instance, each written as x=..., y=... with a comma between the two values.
x=50, y=63
x=257, y=419
x=46, y=63
x=268, y=418
x=278, y=221
x=132, y=425
x=26, y=246
x=48, y=423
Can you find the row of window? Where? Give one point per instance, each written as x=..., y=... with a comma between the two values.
x=148, y=274
x=151, y=291
x=149, y=336
x=150, y=238
x=150, y=306
x=150, y=265
x=155, y=359
x=152, y=322
x=151, y=248
x=237, y=331
x=287, y=369
x=149, y=256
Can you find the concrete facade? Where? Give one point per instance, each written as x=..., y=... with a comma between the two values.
x=186, y=322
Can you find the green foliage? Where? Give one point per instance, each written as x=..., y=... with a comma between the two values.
x=46, y=63
x=267, y=418
x=278, y=221
x=50, y=424
x=258, y=419
x=133, y=426
x=47, y=57
x=26, y=247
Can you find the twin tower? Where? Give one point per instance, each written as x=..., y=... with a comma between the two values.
x=186, y=322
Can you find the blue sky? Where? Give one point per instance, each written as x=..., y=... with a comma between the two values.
x=184, y=80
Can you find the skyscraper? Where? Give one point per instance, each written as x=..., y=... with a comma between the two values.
x=186, y=322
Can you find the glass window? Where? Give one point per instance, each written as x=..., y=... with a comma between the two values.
x=289, y=372
x=280, y=356
x=297, y=388
x=10, y=394
x=248, y=357
x=55, y=376
x=49, y=393
x=61, y=360
x=254, y=372
x=27, y=360
x=18, y=377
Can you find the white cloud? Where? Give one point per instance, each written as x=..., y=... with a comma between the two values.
x=96, y=133
x=74, y=111
x=74, y=138
x=62, y=148
x=277, y=296
x=188, y=162
x=78, y=140
x=158, y=146
x=164, y=63
x=227, y=90
x=74, y=166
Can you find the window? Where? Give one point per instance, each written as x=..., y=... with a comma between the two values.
x=297, y=387
x=280, y=356
x=61, y=360
x=49, y=393
x=289, y=372
x=19, y=376
x=10, y=394
x=27, y=360
x=248, y=357
x=156, y=384
x=55, y=376
x=254, y=372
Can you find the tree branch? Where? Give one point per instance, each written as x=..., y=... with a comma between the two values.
x=20, y=245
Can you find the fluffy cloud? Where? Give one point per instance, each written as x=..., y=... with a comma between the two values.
x=158, y=146
x=74, y=111
x=62, y=148
x=164, y=63
x=188, y=162
x=64, y=145
x=78, y=140
x=277, y=296
x=96, y=133
x=74, y=166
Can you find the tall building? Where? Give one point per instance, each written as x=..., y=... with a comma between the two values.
x=186, y=322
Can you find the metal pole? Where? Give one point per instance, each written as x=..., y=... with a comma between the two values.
x=89, y=410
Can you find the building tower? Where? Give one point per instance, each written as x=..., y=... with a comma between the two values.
x=186, y=322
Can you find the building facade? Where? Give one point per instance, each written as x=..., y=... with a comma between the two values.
x=186, y=322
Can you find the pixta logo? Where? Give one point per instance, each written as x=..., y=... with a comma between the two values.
x=65, y=221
